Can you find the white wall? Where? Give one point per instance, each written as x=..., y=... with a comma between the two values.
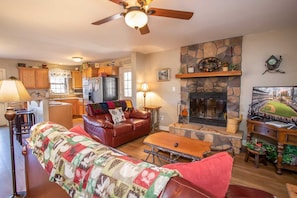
x=162, y=91
x=257, y=48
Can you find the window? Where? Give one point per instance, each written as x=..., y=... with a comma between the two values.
x=58, y=85
x=59, y=81
x=128, y=84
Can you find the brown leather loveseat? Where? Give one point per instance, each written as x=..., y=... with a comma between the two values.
x=116, y=122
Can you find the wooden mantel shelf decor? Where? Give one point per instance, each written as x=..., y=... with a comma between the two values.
x=209, y=74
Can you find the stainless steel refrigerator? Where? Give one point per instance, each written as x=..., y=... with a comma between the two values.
x=99, y=89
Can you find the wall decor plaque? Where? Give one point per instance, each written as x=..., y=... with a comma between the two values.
x=209, y=64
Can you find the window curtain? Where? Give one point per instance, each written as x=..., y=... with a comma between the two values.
x=59, y=73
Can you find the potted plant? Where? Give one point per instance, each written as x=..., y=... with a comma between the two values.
x=225, y=66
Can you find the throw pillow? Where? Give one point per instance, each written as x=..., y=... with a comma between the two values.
x=212, y=174
x=77, y=129
x=117, y=115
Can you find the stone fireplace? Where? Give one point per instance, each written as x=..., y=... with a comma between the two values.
x=213, y=96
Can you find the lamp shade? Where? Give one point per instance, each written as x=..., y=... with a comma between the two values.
x=136, y=19
x=13, y=91
x=144, y=87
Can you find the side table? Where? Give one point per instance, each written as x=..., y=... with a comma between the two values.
x=155, y=116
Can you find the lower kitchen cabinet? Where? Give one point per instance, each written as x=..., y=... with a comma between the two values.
x=77, y=106
x=61, y=113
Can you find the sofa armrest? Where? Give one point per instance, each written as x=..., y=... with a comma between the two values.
x=140, y=114
x=98, y=122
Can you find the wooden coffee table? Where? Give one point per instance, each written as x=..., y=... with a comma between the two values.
x=176, y=146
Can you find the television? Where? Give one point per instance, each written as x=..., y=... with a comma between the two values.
x=274, y=103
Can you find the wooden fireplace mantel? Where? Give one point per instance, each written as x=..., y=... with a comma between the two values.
x=209, y=74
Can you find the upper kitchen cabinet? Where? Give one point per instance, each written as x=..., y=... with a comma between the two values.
x=34, y=78
x=90, y=72
x=76, y=79
x=109, y=70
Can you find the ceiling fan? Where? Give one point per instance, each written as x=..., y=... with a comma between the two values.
x=136, y=14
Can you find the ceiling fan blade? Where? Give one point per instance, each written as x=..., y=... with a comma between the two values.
x=107, y=19
x=170, y=13
x=144, y=30
x=120, y=2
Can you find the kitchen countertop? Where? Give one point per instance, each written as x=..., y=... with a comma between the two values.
x=65, y=98
x=80, y=99
x=56, y=103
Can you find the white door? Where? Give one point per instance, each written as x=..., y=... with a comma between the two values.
x=2, y=105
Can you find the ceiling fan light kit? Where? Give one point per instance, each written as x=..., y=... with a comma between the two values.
x=136, y=18
x=136, y=15
x=77, y=59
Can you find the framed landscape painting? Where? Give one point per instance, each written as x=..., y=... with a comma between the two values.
x=164, y=74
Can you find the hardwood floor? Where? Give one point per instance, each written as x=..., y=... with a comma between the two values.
x=244, y=173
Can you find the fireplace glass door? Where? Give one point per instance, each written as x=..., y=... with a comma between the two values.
x=208, y=108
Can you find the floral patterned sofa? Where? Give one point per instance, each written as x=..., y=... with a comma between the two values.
x=69, y=163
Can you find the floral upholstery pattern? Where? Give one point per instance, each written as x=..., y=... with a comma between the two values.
x=86, y=168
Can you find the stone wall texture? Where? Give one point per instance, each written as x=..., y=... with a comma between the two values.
x=227, y=50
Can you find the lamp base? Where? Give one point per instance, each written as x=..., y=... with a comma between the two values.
x=18, y=195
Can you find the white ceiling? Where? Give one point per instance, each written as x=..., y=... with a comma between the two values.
x=53, y=31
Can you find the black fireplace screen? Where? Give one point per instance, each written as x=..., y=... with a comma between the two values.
x=208, y=108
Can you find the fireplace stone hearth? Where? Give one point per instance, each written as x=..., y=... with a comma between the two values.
x=216, y=135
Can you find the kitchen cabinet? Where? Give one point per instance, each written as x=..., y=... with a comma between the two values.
x=90, y=72
x=61, y=113
x=73, y=102
x=76, y=79
x=34, y=78
x=108, y=70
x=77, y=106
x=81, y=108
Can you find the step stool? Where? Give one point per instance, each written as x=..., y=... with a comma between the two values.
x=258, y=158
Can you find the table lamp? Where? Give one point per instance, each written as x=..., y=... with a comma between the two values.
x=13, y=91
x=144, y=89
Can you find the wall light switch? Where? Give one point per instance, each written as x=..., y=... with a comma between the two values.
x=173, y=89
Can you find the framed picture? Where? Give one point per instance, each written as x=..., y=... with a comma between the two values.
x=164, y=74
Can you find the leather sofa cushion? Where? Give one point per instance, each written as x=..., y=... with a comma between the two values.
x=139, y=114
x=243, y=191
x=136, y=122
x=178, y=186
x=122, y=128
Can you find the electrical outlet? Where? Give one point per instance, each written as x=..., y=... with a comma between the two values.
x=161, y=117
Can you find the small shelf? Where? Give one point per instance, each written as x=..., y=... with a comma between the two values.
x=209, y=74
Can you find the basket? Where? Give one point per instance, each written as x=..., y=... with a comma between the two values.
x=233, y=124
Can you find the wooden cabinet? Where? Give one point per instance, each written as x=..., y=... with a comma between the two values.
x=77, y=106
x=81, y=108
x=90, y=72
x=74, y=103
x=281, y=136
x=76, y=79
x=109, y=70
x=61, y=114
x=34, y=78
